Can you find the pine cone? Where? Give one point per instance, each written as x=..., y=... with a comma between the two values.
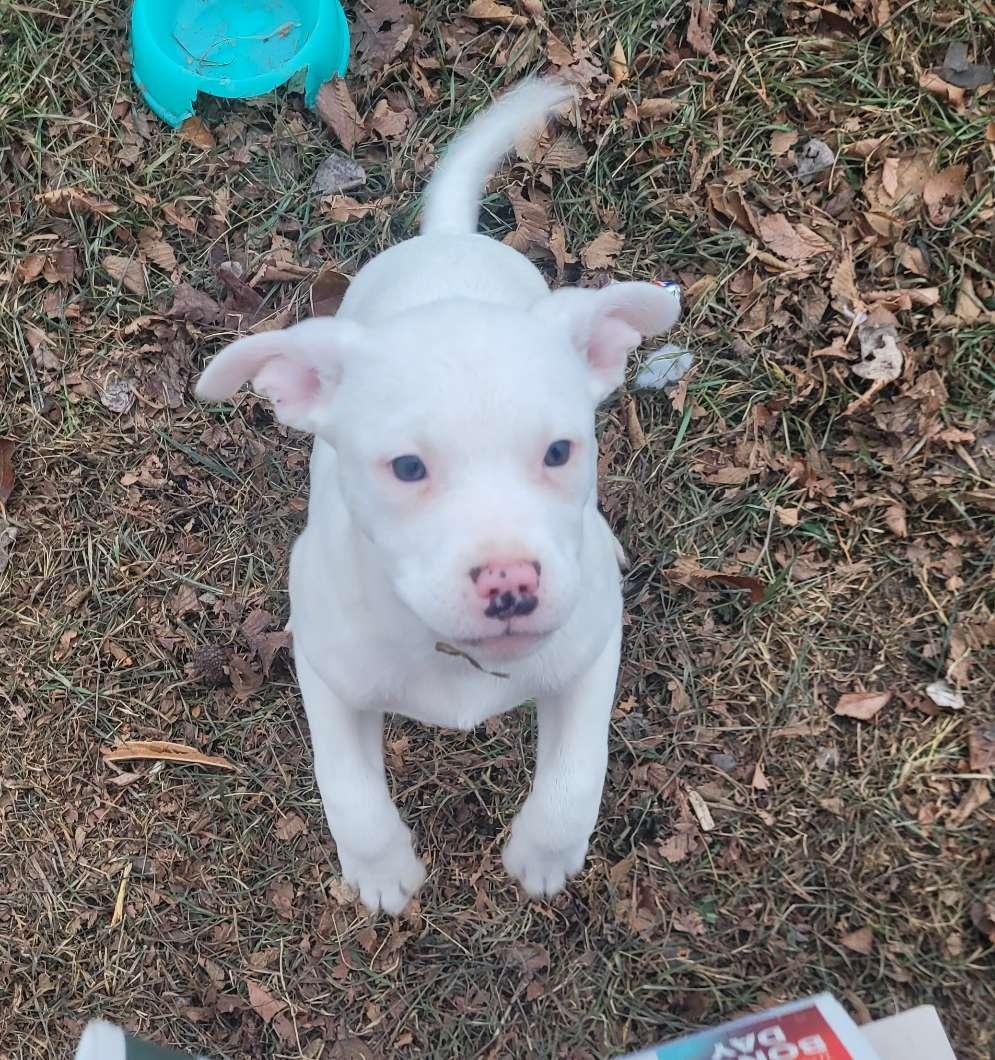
x=207, y=664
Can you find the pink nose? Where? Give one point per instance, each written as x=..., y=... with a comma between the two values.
x=510, y=587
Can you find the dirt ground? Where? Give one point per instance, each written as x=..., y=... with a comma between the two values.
x=810, y=519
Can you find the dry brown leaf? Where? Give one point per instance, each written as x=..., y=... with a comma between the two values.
x=637, y=437
x=198, y=307
x=618, y=65
x=759, y=781
x=861, y=705
x=895, y=520
x=337, y=110
x=380, y=32
x=564, y=152
x=602, y=251
x=118, y=395
x=389, y=123
x=7, y=447
x=791, y=241
x=977, y=795
x=156, y=249
x=657, y=109
x=265, y=1005
x=289, y=827
x=843, y=287
x=860, y=941
x=942, y=191
x=981, y=748
x=62, y=200
x=700, y=22
x=163, y=751
x=968, y=307
x=196, y=132
x=30, y=267
x=934, y=84
x=782, y=142
x=327, y=291
x=492, y=11
x=343, y=208
x=128, y=272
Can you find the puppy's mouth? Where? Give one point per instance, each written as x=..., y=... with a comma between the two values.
x=506, y=644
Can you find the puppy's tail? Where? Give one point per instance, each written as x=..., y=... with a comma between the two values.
x=452, y=199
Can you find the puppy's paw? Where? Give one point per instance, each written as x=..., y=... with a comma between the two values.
x=542, y=870
x=387, y=880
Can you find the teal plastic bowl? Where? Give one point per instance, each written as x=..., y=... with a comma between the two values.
x=235, y=49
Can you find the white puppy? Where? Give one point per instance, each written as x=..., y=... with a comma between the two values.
x=453, y=500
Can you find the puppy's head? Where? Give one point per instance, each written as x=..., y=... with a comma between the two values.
x=465, y=441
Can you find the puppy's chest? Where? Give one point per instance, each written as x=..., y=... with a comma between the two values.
x=441, y=694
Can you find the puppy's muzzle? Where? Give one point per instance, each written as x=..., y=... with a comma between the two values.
x=510, y=587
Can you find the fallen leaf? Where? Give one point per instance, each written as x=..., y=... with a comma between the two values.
x=63, y=200
x=688, y=922
x=968, y=307
x=978, y=794
x=7, y=447
x=861, y=705
x=156, y=249
x=492, y=11
x=389, y=123
x=195, y=306
x=195, y=131
x=380, y=32
x=701, y=811
x=881, y=359
x=601, y=252
x=958, y=70
x=29, y=268
x=618, y=65
x=343, y=208
x=983, y=918
x=677, y=847
x=327, y=291
x=981, y=748
x=637, y=437
x=281, y=896
x=700, y=22
x=791, y=241
x=894, y=518
x=289, y=827
x=860, y=941
x=934, y=84
x=265, y=1005
x=163, y=751
x=813, y=159
x=337, y=110
x=759, y=781
x=782, y=142
x=60, y=267
x=564, y=152
x=128, y=272
x=942, y=192
x=337, y=174
x=657, y=109
x=756, y=587
x=943, y=694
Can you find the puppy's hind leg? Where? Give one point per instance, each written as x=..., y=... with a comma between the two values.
x=374, y=845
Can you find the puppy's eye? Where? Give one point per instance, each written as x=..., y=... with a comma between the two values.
x=557, y=454
x=409, y=468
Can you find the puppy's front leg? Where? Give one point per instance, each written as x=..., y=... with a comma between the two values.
x=549, y=836
x=374, y=845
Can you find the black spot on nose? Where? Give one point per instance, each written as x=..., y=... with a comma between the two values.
x=526, y=604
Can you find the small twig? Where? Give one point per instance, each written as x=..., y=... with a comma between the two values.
x=448, y=649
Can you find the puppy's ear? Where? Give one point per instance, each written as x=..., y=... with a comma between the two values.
x=606, y=325
x=297, y=368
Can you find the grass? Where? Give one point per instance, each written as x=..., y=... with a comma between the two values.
x=145, y=538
